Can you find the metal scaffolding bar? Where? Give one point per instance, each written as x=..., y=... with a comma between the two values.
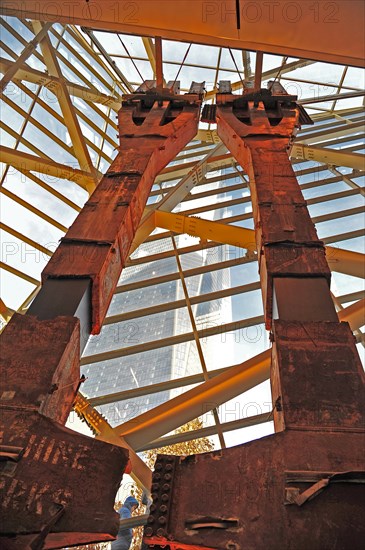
x=69, y=115
x=177, y=411
x=354, y=315
x=29, y=74
x=207, y=431
x=25, y=161
x=328, y=156
x=171, y=340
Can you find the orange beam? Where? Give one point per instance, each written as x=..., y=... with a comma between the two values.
x=265, y=26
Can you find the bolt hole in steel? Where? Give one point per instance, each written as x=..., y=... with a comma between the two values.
x=211, y=523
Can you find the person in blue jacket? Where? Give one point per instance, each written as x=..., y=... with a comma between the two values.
x=125, y=536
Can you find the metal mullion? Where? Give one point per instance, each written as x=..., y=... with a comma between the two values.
x=214, y=192
x=334, y=196
x=27, y=116
x=127, y=84
x=267, y=75
x=330, y=135
x=217, y=69
x=39, y=101
x=203, y=194
x=150, y=51
x=193, y=154
x=75, y=71
x=196, y=144
x=207, y=431
x=24, y=141
x=352, y=297
x=19, y=273
x=7, y=49
x=301, y=80
x=338, y=215
x=5, y=313
x=37, y=77
x=196, y=338
x=308, y=185
x=169, y=254
x=346, y=179
x=50, y=190
x=337, y=141
x=345, y=114
x=174, y=172
x=335, y=97
x=171, y=340
x=183, y=170
x=339, y=88
x=40, y=126
x=186, y=250
x=78, y=56
x=92, y=124
x=33, y=209
x=81, y=151
x=158, y=387
x=98, y=111
x=328, y=125
x=101, y=153
x=204, y=181
x=102, y=115
x=20, y=39
x=79, y=37
x=175, y=276
x=321, y=167
x=19, y=160
x=169, y=306
x=318, y=183
x=23, y=308
x=25, y=239
x=344, y=236
x=209, y=207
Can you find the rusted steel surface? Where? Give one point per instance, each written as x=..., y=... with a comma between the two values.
x=152, y=132
x=287, y=260
x=58, y=475
x=161, y=542
x=39, y=365
x=258, y=132
x=301, y=488
x=317, y=378
x=241, y=498
x=303, y=298
x=58, y=487
x=304, y=486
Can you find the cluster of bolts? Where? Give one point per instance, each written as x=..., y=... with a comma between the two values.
x=161, y=493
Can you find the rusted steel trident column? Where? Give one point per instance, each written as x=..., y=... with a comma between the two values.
x=257, y=128
x=302, y=487
x=57, y=487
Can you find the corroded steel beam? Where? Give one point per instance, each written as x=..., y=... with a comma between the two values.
x=42, y=371
x=51, y=480
x=302, y=487
x=152, y=131
x=66, y=482
x=258, y=129
x=262, y=495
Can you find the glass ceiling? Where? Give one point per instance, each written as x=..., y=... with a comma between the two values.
x=59, y=134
